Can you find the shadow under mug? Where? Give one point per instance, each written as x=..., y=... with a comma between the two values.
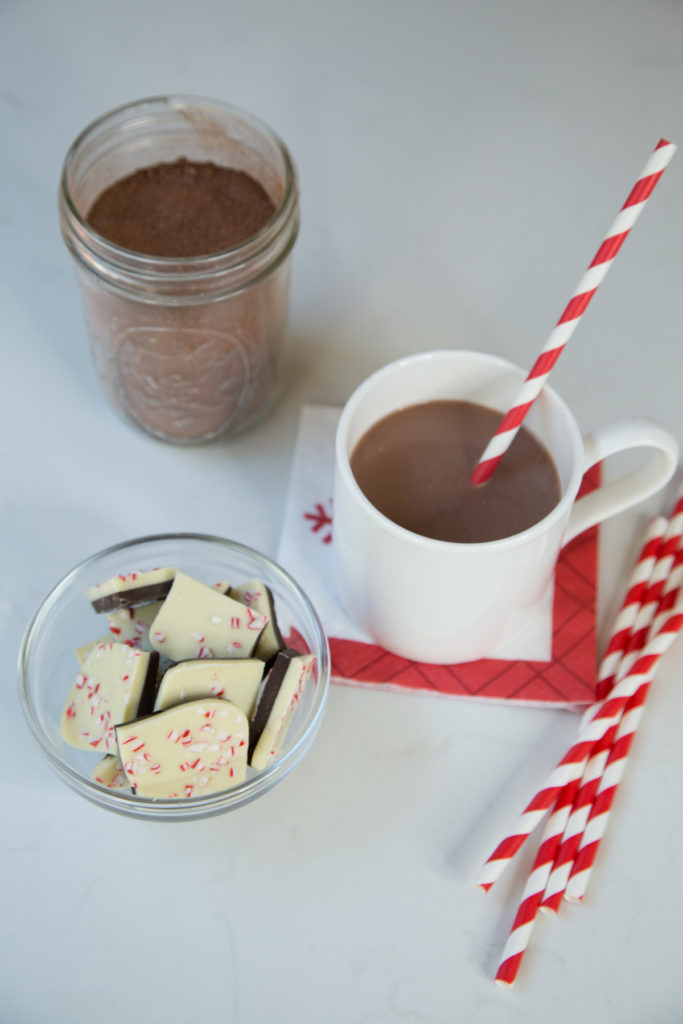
x=442, y=602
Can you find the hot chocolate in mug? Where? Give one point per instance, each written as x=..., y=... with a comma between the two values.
x=443, y=602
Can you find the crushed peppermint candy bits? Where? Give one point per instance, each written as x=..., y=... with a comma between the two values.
x=190, y=691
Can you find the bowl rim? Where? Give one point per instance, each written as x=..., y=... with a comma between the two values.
x=167, y=808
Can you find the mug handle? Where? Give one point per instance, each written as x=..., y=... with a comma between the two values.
x=631, y=488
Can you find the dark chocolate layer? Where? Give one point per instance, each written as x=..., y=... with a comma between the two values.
x=273, y=621
x=271, y=688
x=150, y=686
x=133, y=597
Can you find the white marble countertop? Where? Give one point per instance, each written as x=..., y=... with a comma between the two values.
x=459, y=164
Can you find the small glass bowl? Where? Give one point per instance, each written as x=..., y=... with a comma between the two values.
x=65, y=620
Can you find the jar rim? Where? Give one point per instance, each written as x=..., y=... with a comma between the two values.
x=235, y=256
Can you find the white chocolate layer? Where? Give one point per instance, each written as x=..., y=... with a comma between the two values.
x=195, y=621
x=106, y=692
x=255, y=595
x=291, y=689
x=185, y=751
x=237, y=681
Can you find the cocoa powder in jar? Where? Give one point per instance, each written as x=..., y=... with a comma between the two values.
x=183, y=208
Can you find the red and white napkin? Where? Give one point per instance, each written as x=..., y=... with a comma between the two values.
x=552, y=663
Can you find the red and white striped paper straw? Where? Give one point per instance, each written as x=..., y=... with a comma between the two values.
x=568, y=770
x=582, y=805
x=603, y=715
x=665, y=629
x=574, y=310
x=660, y=562
x=553, y=863
x=585, y=794
x=639, y=680
x=520, y=932
x=660, y=582
x=573, y=805
x=637, y=585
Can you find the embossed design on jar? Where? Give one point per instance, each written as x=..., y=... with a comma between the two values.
x=182, y=382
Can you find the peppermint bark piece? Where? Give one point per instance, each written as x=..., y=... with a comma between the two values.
x=84, y=650
x=256, y=595
x=185, y=751
x=195, y=621
x=221, y=587
x=130, y=589
x=280, y=694
x=131, y=625
x=108, y=690
x=237, y=680
x=109, y=772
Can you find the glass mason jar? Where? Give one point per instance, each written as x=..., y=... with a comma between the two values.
x=187, y=348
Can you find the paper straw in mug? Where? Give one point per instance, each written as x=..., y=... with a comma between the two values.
x=574, y=310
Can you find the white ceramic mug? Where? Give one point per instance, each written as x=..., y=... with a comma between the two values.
x=443, y=602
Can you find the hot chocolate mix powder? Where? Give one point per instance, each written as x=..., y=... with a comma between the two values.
x=184, y=208
x=186, y=370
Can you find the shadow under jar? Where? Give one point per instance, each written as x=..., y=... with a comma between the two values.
x=187, y=348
